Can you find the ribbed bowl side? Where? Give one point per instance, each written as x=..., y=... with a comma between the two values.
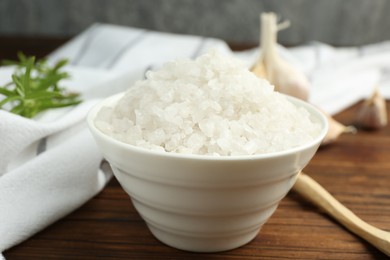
x=203, y=244
x=204, y=219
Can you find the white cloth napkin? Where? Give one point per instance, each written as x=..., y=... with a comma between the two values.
x=50, y=165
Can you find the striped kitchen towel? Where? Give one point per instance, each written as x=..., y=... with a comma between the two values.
x=50, y=165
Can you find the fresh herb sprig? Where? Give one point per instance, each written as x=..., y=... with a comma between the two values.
x=34, y=87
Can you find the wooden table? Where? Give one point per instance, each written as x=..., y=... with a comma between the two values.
x=355, y=169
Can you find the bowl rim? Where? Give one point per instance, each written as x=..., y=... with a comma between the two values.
x=321, y=117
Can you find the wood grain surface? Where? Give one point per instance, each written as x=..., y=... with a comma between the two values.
x=355, y=169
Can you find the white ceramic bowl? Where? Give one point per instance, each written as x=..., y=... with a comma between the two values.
x=204, y=203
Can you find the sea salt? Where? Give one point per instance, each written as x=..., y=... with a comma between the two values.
x=209, y=106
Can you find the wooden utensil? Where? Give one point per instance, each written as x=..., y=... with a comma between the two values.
x=314, y=192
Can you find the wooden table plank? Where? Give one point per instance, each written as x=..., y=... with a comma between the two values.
x=355, y=169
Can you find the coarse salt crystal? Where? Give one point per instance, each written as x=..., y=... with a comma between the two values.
x=211, y=106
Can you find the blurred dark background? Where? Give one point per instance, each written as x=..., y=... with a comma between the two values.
x=337, y=22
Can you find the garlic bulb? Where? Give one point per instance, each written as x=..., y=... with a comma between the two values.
x=373, y=113
x=335, y=130
x=286, y=78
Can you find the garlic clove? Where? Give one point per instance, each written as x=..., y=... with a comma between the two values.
x=335, y=130
x=288, y=80
x=373, y=112
x=285, y=77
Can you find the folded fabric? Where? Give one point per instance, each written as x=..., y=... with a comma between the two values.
x=50, y=165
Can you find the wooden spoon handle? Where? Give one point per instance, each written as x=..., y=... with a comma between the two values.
x=314, y=192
